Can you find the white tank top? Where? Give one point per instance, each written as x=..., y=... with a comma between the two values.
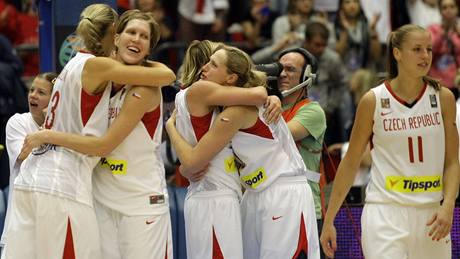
x=407, y=149
x=57, y=170
x=222, y=173
x=131, y=180
x=266, y=152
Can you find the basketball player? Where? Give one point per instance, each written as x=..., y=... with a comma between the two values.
x=408, y=120
x=54, y=184
x=211, y=210
x=278, y=201
x=19, y=125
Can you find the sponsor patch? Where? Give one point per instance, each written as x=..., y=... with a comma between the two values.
x=117, y=167
x=255, y=178
x=414, y=184
x=157, y=199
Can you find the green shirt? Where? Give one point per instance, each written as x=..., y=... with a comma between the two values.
x=312, y=117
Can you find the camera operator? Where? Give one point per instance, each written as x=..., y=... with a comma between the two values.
x=306, y=119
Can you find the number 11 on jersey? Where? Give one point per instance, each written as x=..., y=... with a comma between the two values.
x=419, y=143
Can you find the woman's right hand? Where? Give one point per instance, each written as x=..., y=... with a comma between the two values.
x=329, y=240
x=32, y=141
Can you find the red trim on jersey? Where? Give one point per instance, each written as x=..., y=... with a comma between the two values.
x=201, y=124
x=87, y=105
x=86, y=51
x=302, y=246
x=166, y=252
x=216, y=251
x=69, y=251
x=259, y=129
x=150, y=120
x=388, y=86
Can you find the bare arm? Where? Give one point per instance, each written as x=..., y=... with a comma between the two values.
x=99, y=70
x=441, y=222
x=348, y=169
x=223, y=129
x=131, y=113
x=213, y=94
x=297, y=130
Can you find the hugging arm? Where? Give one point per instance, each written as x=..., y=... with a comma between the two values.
x=219, y=135
x=131, y=113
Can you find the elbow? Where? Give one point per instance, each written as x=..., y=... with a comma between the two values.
x=169, y=78
x=261, y=98
x=103, y=150
x=190, y=165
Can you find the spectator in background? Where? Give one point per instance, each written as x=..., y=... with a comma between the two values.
x=330, y=89
x=445, y=37
x=165, y=23
x=288, y=30
x=202, y=19
x=9, y=21
x=13, y=98
x=357, y=40
x=423, y=12
x=258, y=21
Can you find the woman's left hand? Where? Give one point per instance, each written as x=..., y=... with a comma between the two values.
x=272, y=109
x=441, y=222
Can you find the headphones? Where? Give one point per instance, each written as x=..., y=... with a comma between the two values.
x=308, y=74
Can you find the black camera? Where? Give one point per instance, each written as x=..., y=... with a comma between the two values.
x=273, y=71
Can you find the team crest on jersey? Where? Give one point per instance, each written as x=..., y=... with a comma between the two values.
x=385, y=103
x=433, y=101
x=42, y=149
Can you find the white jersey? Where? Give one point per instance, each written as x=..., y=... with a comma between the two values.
x=131, y=180
x=222, y=173
x=266, y=152
x=407, y=149
x=17, y=128
x=61, y=171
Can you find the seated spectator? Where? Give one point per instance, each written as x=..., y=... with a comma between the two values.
x=9, y=21
x=289, y=30
x=331, y=87
x=423, y=12
x=156, y=7
x=445, y=37
x=357, y=41
x=202, y=19
x=258, y=21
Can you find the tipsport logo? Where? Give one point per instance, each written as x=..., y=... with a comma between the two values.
x=414, y=184
x=117, y=167
x=254, y=179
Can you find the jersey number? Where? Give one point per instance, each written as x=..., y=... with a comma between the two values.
x=52, y=113
x=410, y=142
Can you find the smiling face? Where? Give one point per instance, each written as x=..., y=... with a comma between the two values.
x=39, y=95
x=415, y=54
x=133, y=43
x=216, y=69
